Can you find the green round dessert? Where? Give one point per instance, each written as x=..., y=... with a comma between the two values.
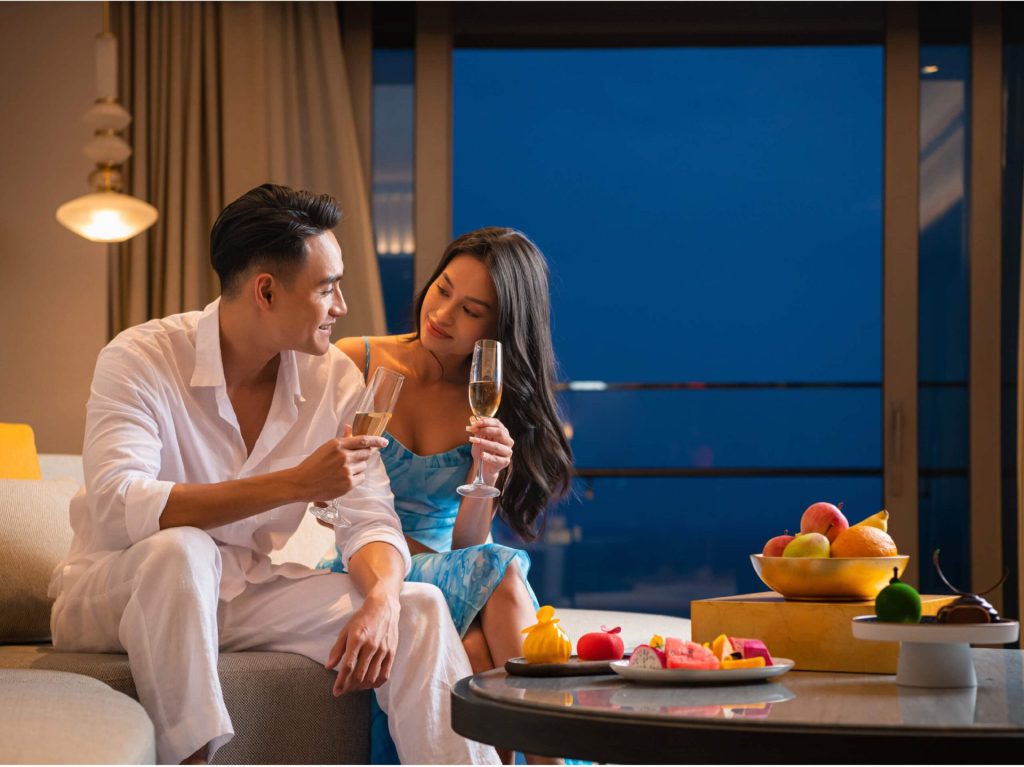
x=898, y=602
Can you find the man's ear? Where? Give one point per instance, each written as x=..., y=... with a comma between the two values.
x=265, y=288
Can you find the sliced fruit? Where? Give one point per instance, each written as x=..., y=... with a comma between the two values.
x=689, y=655
x=752, y=648
x=757, y=662
x=722, y=647
x=645, y=656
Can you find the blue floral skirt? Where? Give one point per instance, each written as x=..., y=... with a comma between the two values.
x=467, y=578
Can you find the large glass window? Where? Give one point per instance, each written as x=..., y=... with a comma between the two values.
x=393, y=141
x=943, y=304
x=712, y=217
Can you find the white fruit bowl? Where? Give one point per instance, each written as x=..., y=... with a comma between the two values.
x=827, y=579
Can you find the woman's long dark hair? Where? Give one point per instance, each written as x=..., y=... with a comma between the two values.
x=541, y=468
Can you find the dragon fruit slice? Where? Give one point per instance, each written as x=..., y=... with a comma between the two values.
x=645, y=656
x=752, y=648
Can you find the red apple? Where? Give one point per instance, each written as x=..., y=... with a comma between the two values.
x=824, y=518
x=776, y=545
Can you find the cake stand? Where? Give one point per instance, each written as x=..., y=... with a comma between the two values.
x=935, y=654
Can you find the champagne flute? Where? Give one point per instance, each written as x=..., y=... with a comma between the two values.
x=372, y=415
x=484, y=398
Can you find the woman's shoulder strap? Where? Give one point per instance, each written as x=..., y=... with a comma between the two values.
x=366, y=364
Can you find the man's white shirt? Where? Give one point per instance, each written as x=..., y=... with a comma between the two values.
x=159, y=414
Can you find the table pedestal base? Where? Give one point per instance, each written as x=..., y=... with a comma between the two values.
x=936, y=664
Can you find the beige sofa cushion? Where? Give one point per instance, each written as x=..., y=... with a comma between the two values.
x=52, y=717
x=280, y=704
x=34, y=536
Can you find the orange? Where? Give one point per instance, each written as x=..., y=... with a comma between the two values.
x=863, y=541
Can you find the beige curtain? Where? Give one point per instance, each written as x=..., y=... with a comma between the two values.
x=226, y=97
x=1020, y=446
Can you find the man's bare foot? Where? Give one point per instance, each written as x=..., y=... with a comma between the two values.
x=202, y=756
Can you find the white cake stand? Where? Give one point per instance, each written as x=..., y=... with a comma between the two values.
x=935, y=654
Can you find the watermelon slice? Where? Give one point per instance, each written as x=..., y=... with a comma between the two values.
x=752, y=648
x=645, y=656
x=689, y=655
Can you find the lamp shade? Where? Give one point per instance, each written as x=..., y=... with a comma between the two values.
x=107, y=216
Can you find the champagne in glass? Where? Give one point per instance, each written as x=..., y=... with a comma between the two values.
x=377, y=403
x=370, y=423
x=484, y=398
x=372, y=415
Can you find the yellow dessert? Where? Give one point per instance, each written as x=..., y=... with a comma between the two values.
x=546, y=641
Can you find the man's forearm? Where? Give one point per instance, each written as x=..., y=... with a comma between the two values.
x=377, y=570
x=208, y=506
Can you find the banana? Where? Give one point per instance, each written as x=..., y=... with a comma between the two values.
x=879, y=520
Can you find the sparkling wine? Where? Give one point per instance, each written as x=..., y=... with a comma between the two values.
x=371, y=424
x=484, y=397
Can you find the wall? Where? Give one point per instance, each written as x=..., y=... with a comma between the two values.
x=53, y=309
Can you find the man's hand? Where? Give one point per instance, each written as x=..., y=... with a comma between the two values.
x=366, y=645
x=336, y=467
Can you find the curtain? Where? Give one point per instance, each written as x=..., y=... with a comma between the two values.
x=226, y=97
x=1013, y=280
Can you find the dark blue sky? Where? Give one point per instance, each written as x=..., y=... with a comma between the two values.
x=709, y=214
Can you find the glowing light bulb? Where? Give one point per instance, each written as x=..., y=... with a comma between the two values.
x=107, y=216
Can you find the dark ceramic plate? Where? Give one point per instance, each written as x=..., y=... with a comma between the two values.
x=574, y=667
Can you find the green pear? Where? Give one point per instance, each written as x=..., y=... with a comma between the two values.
x=807, y=545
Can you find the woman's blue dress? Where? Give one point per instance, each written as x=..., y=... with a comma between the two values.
x=427, y=503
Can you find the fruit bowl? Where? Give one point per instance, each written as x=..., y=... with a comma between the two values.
x=827, y=579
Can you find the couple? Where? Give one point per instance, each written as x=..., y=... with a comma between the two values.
x=208, y=433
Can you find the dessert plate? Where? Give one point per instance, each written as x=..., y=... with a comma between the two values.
x=690, y=676
x=573, y=667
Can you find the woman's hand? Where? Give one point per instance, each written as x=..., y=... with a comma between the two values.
x=492, y=444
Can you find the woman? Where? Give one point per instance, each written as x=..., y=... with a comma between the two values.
x=490, y=283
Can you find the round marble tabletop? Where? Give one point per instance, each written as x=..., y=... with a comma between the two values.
x=610, y=719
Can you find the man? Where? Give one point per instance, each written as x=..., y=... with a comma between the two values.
x=207, y=434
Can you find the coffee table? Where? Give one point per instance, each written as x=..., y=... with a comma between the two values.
x=802, y=717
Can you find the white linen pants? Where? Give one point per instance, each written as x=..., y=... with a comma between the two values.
x=158, y=601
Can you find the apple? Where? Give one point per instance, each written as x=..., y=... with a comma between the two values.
x=824, y=518
x=776, y=545
x=807, y=545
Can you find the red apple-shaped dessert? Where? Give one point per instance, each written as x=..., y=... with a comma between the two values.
x=824, y=518
x=777, y=545
x=605, y=644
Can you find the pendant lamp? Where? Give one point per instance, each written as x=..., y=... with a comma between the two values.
x=106, y=214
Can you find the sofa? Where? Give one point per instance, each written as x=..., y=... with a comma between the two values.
x=281, y=704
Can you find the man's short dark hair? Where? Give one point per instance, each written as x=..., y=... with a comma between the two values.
x=268, y=226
